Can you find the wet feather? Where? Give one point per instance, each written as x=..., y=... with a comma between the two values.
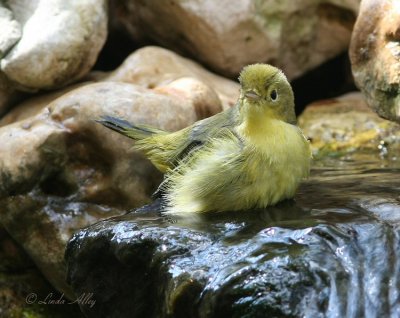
x=252, y=155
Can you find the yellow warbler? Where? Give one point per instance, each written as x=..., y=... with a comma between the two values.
x=250, y=156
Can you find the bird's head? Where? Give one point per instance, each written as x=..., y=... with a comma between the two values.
x=265, y=90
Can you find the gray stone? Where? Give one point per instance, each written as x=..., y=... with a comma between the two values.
x=227, y=35
x=10, y=31
x=61, y=171
x=375, y=56
x=346, y=124
x=150, y=67
x=60, y=41
x=153, y=66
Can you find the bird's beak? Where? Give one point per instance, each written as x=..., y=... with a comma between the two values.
x=252, y=95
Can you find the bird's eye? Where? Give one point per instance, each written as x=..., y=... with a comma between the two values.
x=274, y=95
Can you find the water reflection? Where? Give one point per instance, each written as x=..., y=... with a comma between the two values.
x=332, y=251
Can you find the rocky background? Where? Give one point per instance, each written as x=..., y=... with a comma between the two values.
x=65, y=63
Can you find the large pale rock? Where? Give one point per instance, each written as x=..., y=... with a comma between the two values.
x=154, y=66
x=35, y=104
x=149, y=67
x=375, y=56
x=226, y=35
x=346, y=124
x=10, y=30
x=60, y=41
x=61, y=171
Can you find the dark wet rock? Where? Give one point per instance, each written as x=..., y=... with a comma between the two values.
x=12, y=256
x=17, y=289
x=28, y=294
x=325, y=255
x=8, y=95
x=43, y=225
x=22, y=286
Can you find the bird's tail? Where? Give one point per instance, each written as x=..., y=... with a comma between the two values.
x=136, y=132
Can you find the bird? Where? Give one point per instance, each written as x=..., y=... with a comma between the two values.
x=252, y=155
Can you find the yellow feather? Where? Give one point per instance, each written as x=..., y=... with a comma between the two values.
x=252, y=155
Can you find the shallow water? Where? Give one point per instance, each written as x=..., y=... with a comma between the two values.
x=334, y=251
x=358, y=183
x=344, y=223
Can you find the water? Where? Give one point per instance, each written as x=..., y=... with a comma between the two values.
x=334, y=251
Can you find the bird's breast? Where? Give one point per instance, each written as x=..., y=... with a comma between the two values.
x=278, y=159
x=275, y=139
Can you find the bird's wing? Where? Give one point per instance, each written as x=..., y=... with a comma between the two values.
x=168, y=150
x=198, y=137
x=210, y=128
